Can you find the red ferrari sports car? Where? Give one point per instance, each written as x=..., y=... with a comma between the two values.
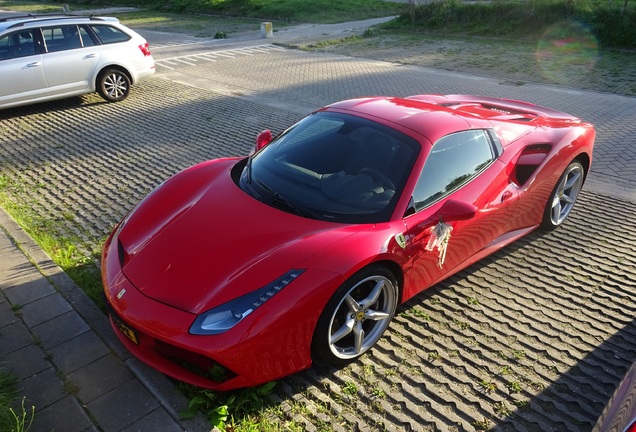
x=239, y=271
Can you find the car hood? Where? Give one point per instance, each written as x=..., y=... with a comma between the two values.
x=199, y=241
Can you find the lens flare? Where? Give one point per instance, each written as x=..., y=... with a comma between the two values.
x=566, y=53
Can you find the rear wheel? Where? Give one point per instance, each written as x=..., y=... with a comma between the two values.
x=563, y=196
x=113, y=85
x=356, y=316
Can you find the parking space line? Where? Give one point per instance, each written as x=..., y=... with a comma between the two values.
x=260, y=50
x=243, y=52
x=213, y=56
x=222, y=54
x=206, y=57
x=185, y=62
x=175, y=44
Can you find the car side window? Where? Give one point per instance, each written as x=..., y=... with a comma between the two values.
x=87, y=39
x=453, y=161
x=17, y=44
x=108, y=34
x=61, y=38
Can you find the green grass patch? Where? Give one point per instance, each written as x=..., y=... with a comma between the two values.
x=514, y=386
x=29, y=7
x=316, y=11
x=11, y=418
x=238, y=411
x=350, y=388
x=487, y=386
x=195, y=24
x=62, y=250
x=330, y=42
x=159, y=18
x=38, y=7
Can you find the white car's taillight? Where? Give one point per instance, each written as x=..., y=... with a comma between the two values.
x=145, y=49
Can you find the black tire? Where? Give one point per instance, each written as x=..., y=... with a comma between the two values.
x=113, y=85
x=563, y=196
x=357, y=324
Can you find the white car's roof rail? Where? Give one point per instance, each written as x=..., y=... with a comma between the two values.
x=29, y=18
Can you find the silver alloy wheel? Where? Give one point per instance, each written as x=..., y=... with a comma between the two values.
x=361, y=317
x=115, y=85
x=565, y=194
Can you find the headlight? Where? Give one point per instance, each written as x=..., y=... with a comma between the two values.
x=224, y=317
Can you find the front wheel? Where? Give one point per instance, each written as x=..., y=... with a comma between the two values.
x=113, y=85
x=563, y=196
x=356, y=316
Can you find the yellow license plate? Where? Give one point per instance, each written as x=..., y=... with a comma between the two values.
x=130, y=333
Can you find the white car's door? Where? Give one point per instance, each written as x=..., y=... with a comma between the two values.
x=21, y=68
x=70, y=60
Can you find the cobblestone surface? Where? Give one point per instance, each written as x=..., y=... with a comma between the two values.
x=535, y=337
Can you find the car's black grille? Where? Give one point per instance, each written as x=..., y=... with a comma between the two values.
x=193, y=362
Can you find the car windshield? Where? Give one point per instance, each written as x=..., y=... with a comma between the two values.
x=333, y=167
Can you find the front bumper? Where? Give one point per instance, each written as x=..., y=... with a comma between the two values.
x=272, y=342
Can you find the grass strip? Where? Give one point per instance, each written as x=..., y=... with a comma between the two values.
x=13, y=419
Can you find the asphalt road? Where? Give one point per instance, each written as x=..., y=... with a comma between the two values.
x=535, y=337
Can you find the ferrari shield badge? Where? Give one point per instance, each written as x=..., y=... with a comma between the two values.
x=401, y=241
x=440, y=235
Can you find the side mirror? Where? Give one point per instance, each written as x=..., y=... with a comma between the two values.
x=455, y=210
x=263, y=138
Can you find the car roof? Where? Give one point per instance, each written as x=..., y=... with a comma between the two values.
x=434, y=116
x=10, y=20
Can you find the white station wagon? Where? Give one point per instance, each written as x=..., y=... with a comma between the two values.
x=49, y=57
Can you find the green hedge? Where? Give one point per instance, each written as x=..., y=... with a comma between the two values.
x=612, y=23
x=316, y=11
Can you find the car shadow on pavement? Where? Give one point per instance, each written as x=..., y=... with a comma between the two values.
x=580, y=400
x=61, y=105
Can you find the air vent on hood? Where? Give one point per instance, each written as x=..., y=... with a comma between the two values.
x=494, y=112
x=122, y=254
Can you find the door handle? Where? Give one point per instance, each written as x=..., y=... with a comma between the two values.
x=505, y=195
x=34, y=64
x=87, y=56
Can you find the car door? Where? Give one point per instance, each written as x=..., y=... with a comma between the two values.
x=70, y=59
x=461, y=203
x=21, y=67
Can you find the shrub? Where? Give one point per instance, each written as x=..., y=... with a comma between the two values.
x=611, y=23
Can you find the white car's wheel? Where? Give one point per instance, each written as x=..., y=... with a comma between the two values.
x=113, y=85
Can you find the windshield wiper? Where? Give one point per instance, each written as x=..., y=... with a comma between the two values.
x=280, y=200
